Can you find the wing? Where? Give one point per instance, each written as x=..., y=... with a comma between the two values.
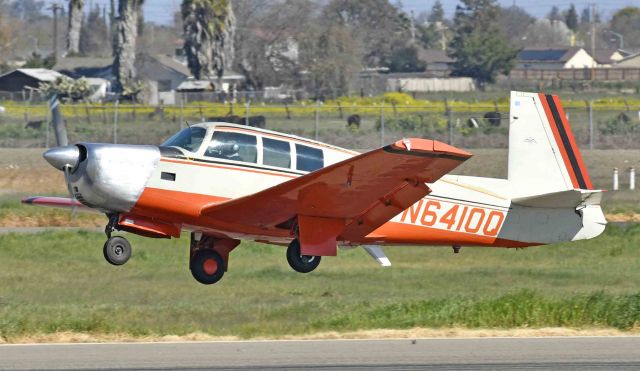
x=59, y=202
x=346, y=200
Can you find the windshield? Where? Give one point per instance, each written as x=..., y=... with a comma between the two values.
x=187, y=138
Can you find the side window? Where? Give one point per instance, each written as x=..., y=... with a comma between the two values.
x=276, y=153
x=309, y=159
x=233, y=146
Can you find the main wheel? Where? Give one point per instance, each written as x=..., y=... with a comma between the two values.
x=207, y=266
x=117, y=250
x=301, y=263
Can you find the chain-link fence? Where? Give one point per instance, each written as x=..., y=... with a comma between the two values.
x=464, y=125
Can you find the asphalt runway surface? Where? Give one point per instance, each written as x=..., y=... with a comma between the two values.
x=571, y=353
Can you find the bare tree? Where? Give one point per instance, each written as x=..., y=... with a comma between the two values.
x=76, y=9
x=125, y=42
x=209, y=27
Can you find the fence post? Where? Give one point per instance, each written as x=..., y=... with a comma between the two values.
x=632, y=178
x=382, y=125
x=615, y=178
x=447, y=111
x=115, y=122
x=181, y=110
x=246, y=112
x=48, y=125
x=317, y=121
x=590, y=109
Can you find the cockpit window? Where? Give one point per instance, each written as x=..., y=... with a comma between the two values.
x=233, y=146
x=187, y=138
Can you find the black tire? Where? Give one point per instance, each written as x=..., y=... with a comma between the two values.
x=301, y=263
x=117, y=250
x=207, y=266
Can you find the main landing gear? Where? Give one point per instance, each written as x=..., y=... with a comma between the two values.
x=301, y=263
x=209, y=257
x=116, y=250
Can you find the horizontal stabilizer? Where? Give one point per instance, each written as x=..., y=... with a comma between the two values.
x=571, y=198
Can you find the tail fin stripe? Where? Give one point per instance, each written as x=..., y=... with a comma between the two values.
x=574, y=146
x=563, y=142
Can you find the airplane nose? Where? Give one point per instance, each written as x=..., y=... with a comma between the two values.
x=59, y=157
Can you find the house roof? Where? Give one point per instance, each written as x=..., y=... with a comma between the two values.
x=41, y=74
x=195, y=85
x=169, y=62
x=434, y=56
x=605, y=56
x=548, y=54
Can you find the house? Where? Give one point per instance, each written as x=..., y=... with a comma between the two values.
x=23, y=79
x=607, y=57
x=167, y=71
x=554, y=58
x=631, y=61
x=435, y=59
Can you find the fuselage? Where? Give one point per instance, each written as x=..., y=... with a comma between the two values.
x=162, y=190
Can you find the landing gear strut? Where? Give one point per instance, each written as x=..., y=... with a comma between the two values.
x=301, y=263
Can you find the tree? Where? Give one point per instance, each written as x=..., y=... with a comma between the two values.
x=626, y=22
x=76, y=10
x=437, y=13
x=545, y=33
x=209, y=27
x=478, y=47
x=585, y=16
x=125, y=43
x=514, y=22
x=406, y=60
x=554, y=14
x=571, y=18
x=92, y=38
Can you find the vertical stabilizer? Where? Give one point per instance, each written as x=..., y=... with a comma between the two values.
x=543, y=154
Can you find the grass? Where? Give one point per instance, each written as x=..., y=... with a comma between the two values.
x=58, y=281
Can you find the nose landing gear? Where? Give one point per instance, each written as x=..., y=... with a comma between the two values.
x=116, y=250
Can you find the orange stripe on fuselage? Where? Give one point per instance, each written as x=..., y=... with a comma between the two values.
x=558, y=139
x=572, y=141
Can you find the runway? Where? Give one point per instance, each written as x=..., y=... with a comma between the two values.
x=406, y=354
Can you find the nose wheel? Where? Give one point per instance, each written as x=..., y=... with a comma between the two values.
x=117, y=250
x=301, y=263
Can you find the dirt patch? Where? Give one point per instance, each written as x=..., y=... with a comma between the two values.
x=623, y=218
x=414, y=333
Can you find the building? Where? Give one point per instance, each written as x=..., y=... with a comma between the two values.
x=435, y=60
x=26, y=79
x=631, y=61
x=168, y=72
x=608, y=57
x=554, y=58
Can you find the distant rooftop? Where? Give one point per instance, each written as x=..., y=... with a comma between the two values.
x=41, y=74
x=547, y=54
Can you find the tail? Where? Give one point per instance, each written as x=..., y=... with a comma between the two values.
x=547, y=172
x=543, y=154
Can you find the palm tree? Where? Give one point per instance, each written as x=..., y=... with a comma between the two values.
x=209, y=27
x=125, y=42
x=76, y=9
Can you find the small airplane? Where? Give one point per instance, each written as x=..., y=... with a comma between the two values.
x=226, y=183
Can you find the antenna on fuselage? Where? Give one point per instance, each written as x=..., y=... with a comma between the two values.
x=188, y=125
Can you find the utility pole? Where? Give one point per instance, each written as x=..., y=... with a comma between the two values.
x=55, y=7
x=593, y=38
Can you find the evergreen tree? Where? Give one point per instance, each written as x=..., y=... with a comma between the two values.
x=571, y=18
x=478, y=47
x=554, y=14
x=437, y=13
x=585, y=17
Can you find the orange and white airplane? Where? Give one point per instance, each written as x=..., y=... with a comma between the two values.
x=226, y=183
